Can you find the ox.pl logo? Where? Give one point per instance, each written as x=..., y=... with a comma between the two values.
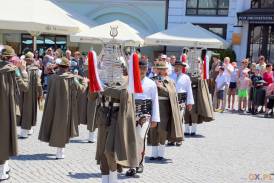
x=260, y=177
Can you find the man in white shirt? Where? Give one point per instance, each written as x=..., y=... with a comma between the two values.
x=228, y=69
x=147, y=114
x=185, y=94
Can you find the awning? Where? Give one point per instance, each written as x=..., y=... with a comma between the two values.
x=263, y=16
x=38, y=16
x=127, y=35
x=186, y=35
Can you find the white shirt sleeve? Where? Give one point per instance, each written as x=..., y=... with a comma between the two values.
x=190, y=98
x=155, y=104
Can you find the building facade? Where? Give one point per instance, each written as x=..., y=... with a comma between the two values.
x=147, y=16
x=246, y=24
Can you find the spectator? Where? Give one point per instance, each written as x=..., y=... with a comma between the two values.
x=154, y=71
x=268, y=75
x=228, y=69
x=261, y=65
x=173, y=60
x=244, y=67
x=233, y=86
x=251, y=74
x=244, y=84
x=270, y=101
x=170, y=67
x=69, y=55
x=258, y=92
x=214, y=71
x=221, y=82
x=268, y=78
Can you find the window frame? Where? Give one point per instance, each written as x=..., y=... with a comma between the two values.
x=260, y=5
x=216, y=8
x=207, y=26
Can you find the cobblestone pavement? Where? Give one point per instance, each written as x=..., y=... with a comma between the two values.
x=232, y=149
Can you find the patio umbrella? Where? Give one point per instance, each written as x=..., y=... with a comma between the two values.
x=186, y=35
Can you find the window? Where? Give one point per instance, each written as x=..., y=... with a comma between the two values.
x=207, y=7
x=265, y=4
x=43, y=42
x=261, y=42
x=219, y=29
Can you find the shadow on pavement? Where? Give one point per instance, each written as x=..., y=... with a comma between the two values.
x=84, y=175
x=79, y=141
x=123, y=176
x=195, y=136
x=164, y=161
x=34, y=157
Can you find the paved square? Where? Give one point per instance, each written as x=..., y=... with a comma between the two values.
x=232, y=149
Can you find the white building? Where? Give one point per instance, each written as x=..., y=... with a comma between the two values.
x=147, y=16
x=250, y=33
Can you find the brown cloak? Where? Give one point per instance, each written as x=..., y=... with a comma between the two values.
x=28, y=100
x=202, y=110
x=60, y=117
x=87, y=104
x=118, y=138
x=174, y=125
x=8, y=94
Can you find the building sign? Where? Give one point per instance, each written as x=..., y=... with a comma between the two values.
x=257, y=19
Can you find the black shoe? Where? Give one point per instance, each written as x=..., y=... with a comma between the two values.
x=153, y=158
x=119, y=168
x=170, y=143
x=186, y=134
x=249, y=111
x=192, y=134
x=178, y=143
x=139, y=169
x=160, y=158
x=91, y=142
x=131, y=172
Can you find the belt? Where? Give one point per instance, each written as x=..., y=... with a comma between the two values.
x=182, y=97
x=143, y=106
x=107, y=104
x=163, y=98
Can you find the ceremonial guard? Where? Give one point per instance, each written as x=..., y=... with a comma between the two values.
x=147, y=114
x=87, y=104
x=184, y=90
x=60, y=119
x=11, y=83
x=28, y=100
x=115, y=117
x=202, y=110
x=170, y=126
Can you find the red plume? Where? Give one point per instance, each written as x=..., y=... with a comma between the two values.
x=183, y=59
x=94, y=85
x=136, y=73
x=204, y=68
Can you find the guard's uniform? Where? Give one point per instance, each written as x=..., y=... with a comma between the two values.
x=147, y=109
x=202, y=110
x=170, y=126
x=184, y=90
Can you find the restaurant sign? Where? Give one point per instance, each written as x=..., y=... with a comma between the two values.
x=257, y=18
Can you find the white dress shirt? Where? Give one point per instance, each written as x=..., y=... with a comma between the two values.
x=183, y=85
x=150, y=91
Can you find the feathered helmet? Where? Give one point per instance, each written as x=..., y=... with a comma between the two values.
x=106, y=70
